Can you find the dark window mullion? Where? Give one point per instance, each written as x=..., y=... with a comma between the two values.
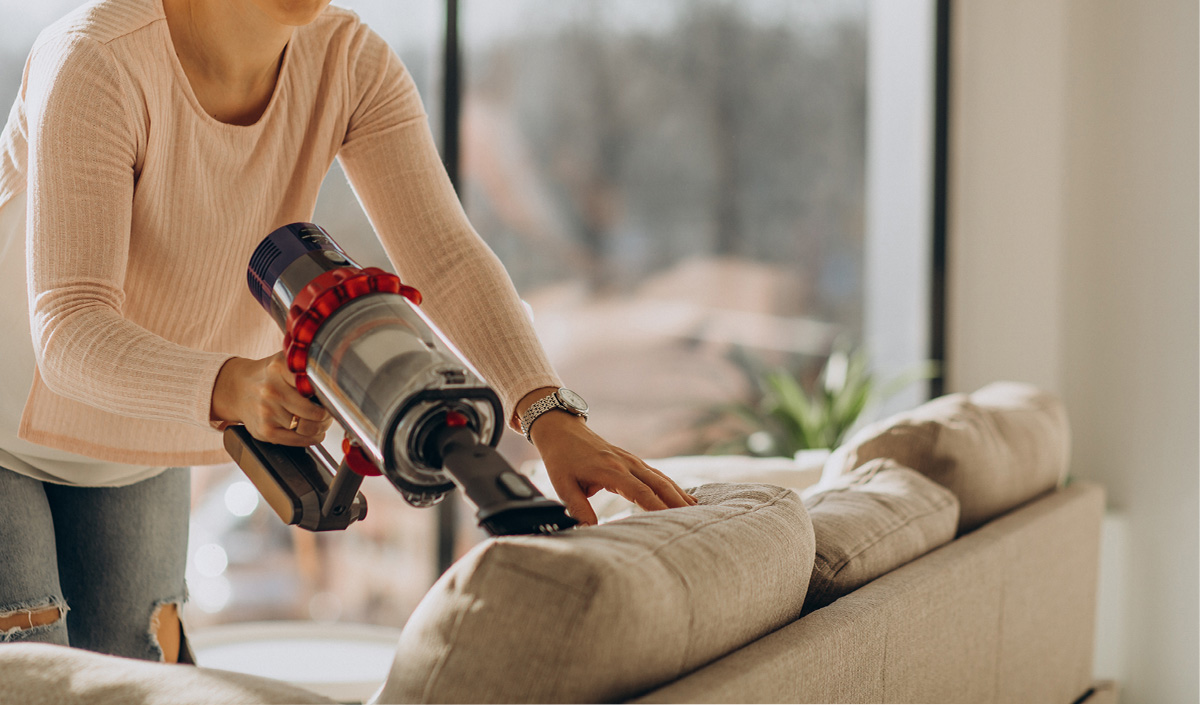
x=447, y=511
x=941, y=167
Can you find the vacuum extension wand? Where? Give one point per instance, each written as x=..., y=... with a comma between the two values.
x=412, y=408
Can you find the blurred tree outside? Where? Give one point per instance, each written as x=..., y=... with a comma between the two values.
x=664, y=185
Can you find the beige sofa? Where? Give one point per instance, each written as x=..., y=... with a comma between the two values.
x=1003, y=614
x=940, y=559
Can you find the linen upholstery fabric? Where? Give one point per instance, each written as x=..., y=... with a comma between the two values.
x=994, y=449
x=602, y=613
x=47, y=674
x=872, y=521
x=1004, y=614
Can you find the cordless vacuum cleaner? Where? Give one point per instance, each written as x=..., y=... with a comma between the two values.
x=412, y=408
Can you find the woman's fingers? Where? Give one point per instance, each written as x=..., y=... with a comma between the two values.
x=634, y=489
x=665, y=487
x=285, y=416
x=308, y=431
x=308, y=415
x=574, y=498
x=630, y=478
x=667, y=491
x=301, y=430
x=305, y=433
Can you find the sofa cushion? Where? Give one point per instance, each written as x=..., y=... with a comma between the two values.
x=994, y=449
x=872, y=521
x=602, y=613
x=48, y=674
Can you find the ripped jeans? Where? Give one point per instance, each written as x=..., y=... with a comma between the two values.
x=107, y=557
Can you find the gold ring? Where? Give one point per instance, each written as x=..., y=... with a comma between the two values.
x=295, y=422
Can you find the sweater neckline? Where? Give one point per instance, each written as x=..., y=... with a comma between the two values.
x=186, y=85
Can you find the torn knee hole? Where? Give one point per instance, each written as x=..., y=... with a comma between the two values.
x=165, y=630
x=22, y=619
x=165, y=616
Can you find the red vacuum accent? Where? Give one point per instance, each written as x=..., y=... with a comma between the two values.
x=358, y=462
x=456, y=419
x=317, y=302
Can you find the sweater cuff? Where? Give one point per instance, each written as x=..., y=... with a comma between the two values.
x=202, y=412
x=517, y=391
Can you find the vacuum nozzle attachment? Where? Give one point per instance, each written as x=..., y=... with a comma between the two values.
x=508, y=503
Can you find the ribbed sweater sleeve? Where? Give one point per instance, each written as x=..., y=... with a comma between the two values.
x=83, y=141
x=393, y=164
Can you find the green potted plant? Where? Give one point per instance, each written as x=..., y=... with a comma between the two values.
x=784, y=418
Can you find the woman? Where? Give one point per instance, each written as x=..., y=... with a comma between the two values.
x=153, y=144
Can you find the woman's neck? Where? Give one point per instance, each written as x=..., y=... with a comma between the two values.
x=231, y=52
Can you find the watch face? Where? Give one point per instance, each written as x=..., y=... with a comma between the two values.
x=572, y=400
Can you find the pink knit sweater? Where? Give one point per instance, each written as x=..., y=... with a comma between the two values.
x=143, y=211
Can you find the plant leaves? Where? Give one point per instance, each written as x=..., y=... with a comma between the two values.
x=797, y=420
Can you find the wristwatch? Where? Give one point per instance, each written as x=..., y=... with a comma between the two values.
x=562, y=398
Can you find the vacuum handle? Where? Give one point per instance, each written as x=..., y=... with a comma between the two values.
x=302, y=485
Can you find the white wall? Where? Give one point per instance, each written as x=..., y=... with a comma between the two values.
x=1074, y=248
x=1005, y=229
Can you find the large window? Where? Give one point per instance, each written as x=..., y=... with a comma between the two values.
x=682, y=190
x=671, y=185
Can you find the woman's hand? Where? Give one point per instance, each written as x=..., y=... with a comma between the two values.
x=580, y=463
x=262, y=396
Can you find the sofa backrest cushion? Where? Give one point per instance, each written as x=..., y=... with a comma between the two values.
x=872, y=521
x=603, y=613
x=994, y=449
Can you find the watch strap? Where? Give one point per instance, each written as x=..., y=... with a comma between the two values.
x=550, y=402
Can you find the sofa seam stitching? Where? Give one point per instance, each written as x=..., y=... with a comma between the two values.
x=740, y=512
x=999, y=631
x=679, y=576
x=887, y=636
x=518, y=568
x=641, y=551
